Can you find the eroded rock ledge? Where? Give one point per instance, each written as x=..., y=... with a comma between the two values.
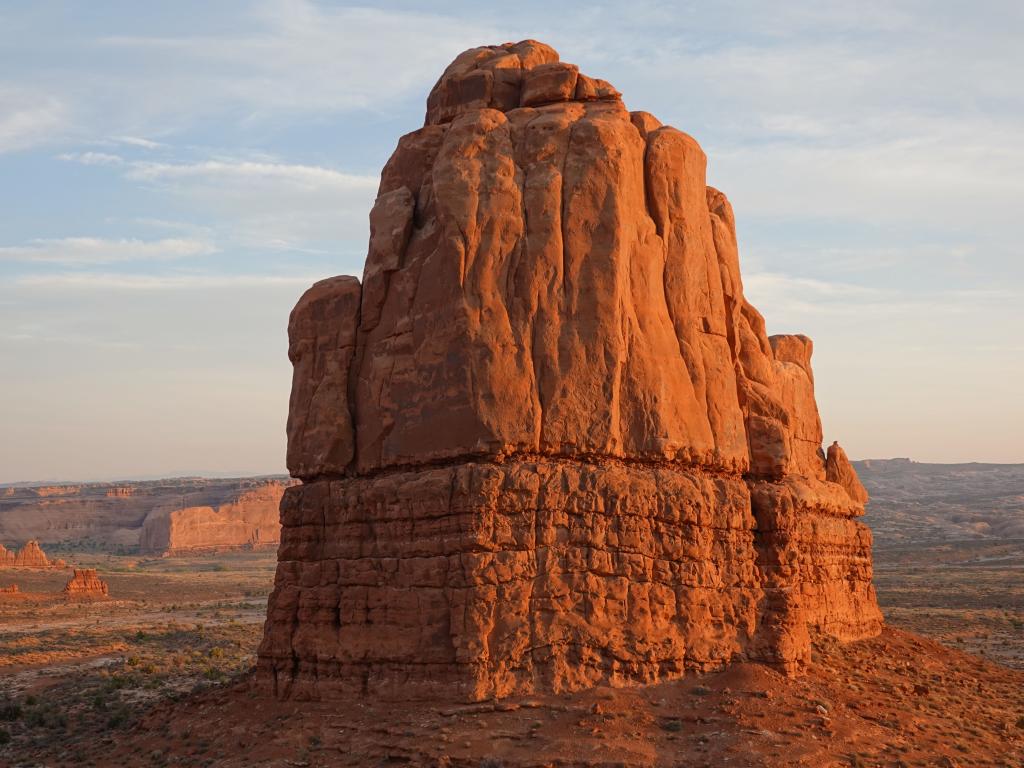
x=547, y=442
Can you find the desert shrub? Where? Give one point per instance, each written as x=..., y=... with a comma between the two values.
x=118, y=718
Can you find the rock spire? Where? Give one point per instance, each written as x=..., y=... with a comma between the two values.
x=546, y=442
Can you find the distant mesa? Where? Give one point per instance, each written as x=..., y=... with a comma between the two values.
x=29, y=556
x=57, y=490
x=85, y=584
x=251, y=520
x=546, y=443
x=163, y=517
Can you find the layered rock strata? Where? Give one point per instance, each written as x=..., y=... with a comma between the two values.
x=249, y=521
x=546, y=442
x=110, y=516
x=85, y=584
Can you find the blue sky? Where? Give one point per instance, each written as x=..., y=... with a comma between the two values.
x=173, y=175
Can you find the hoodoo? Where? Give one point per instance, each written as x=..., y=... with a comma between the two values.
x=85, y=584
x=29, y=556
x=546, y=443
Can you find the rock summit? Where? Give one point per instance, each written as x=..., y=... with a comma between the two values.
x=546, y=443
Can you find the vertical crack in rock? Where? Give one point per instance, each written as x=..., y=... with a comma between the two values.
x=547, y=443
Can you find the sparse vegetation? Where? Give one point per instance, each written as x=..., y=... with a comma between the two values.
x=138, y=654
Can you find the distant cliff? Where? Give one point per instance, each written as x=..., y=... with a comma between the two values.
x=249, y=521
x=112, y=516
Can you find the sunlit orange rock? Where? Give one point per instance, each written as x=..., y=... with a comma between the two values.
x=553, y=446
x=85, y=584
x=249, y=520
x=29, y=556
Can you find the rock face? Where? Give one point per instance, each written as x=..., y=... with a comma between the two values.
x=85, y=584
x=547, y=443
x=9, y=590
x=110, y=516
x=249, y=521
x=29, y=556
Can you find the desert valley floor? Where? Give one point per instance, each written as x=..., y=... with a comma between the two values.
x=158, y=675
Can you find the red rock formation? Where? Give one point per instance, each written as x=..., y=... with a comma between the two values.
x=839, y=470
x=29, y=556
x=85, y=584
x=11, y=590
x=547, y=442
x=111, y=515
x=251, y=520
x=58, y=490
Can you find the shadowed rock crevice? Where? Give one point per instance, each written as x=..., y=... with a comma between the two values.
x=547, y=443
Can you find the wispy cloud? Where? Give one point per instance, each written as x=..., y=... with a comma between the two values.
x=264, y=203
x=787, y=298
x=295, y=55
x=165, y=282
x=94, y=250
x=28, y=117
x=231, y=172
x=137, y=141
x=92, y=158
x=77, y=340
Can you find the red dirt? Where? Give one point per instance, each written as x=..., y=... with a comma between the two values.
x=894, y=700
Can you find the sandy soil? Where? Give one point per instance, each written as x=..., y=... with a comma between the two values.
x=159, y=675
x=896, y=700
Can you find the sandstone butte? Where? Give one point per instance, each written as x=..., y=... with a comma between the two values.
x=250, y=520
x=29, y=556
x=546, y=443
x=85, y=584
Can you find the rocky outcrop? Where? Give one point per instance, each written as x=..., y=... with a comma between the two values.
x=546, y=442
x=249, y=521
x=9, y=590
x=85, y=584
x=839, y=470
x=29, y=556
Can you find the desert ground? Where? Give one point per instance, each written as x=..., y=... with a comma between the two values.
x=75, y=671
x=104, y=682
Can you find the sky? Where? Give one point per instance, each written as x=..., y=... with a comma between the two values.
x=174, y=175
